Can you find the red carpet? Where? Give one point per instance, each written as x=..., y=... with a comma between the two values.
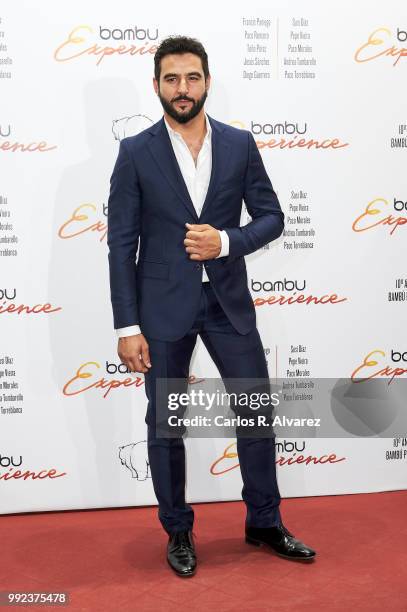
x=115, y=559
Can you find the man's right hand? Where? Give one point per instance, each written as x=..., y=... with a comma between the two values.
x=133, y=352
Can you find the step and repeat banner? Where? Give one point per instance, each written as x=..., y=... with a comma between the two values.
x=321, y=88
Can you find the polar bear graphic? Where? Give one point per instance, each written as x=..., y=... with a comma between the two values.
x=134, y=457
x=130, y=126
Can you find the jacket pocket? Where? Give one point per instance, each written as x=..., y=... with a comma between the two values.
x=153, y=269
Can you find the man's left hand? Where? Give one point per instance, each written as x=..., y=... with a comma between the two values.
x=202, y=241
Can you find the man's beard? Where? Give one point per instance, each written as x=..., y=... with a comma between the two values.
x=186, y=116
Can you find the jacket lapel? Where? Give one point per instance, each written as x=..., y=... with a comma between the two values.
x=161, y=149
x=220, y=160
x=163, y=153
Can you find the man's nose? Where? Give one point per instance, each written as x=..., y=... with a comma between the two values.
x=183, y=86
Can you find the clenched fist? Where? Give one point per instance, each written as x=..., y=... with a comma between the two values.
x=202, y=241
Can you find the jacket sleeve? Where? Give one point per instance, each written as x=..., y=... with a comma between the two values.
x=263, y=206
x=123, y=220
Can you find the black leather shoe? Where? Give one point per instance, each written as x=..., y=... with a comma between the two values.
x=281, y=541
x=181, y=553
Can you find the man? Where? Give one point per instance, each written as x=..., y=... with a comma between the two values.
x=176, y=193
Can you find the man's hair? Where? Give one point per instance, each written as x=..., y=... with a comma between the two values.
x=178, y=45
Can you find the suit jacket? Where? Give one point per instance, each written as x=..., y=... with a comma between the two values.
x=148, y=207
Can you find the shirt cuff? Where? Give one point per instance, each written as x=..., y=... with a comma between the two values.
x=131, y=330
x=224, y=249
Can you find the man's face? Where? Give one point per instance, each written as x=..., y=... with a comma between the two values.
x=182, y=88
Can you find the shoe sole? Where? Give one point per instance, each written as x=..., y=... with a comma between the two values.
x=258, y=543
x=181, y=574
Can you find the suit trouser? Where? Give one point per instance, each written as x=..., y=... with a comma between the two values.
x=236, y=356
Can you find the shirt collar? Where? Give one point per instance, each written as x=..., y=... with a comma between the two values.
x=174, y=133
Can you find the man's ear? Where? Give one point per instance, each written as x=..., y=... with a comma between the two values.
x=208, y=82
x=155, y=85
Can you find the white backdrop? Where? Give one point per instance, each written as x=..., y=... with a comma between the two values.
x=327, y=109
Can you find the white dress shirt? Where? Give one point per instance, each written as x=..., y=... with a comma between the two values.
x=196, y=177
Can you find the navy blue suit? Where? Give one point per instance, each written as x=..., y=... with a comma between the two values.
x=149, y=201
x=149, y=205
